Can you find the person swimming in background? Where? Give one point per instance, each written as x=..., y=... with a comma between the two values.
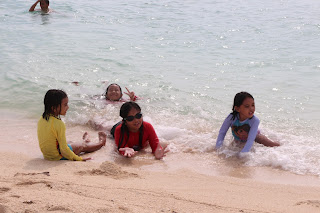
x=44, y=5
x=114, y=93
x=244, y=124
x=51, y=131
x=133, y=134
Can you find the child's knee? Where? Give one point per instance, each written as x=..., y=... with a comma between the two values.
x=77, y=148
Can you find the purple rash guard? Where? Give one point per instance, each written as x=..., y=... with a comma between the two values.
x=243, y=131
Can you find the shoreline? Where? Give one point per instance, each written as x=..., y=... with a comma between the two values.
x=26, y=142
x=111, y=183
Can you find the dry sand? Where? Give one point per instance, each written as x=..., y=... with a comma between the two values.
x=36, y=185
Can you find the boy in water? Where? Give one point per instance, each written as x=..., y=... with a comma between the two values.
x=44, y=4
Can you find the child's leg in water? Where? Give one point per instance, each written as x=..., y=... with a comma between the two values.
x=266, y=141
x=89, y=147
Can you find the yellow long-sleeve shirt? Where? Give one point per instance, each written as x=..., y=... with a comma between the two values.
x=52, y=140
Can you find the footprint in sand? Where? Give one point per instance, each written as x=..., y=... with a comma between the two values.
x=26, y=183
x=28, y=202
x=314, y=203
x=3, y=190
x=3, y=209
x=25, y=174
x=58, y=208
x=109, y=169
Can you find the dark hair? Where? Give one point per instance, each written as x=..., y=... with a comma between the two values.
x=105, y=94
x=124, y=111
x=52, y=100
x=126, y=107
x=47, y=2
x=238, y=100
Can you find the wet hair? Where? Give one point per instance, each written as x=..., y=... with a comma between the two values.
x=124, y=111
x=46, y=1
x=105, y=94
x=52, y=100
x=237, y=102
x=126, y=107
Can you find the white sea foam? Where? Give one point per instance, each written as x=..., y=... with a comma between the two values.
x=186, y=62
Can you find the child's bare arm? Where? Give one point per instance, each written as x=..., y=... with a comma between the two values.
x=33, y=6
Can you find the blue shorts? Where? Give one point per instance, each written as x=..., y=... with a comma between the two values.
x=70, y=147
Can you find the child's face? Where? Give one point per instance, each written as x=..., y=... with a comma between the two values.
x=246, y=109
x=64, y=107
x=44, y=5
x=114, y=93
x=135, y=124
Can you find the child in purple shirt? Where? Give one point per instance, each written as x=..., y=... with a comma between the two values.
x=244, y=124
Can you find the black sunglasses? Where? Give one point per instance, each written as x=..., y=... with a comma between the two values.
x=131, y=118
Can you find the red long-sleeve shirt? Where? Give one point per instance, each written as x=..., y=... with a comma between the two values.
x=149, y=137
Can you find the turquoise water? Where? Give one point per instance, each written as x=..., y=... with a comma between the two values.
x=186, y=60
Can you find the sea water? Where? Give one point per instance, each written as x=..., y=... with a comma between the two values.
x=185, y=59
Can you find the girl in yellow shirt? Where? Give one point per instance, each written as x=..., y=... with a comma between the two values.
x=52, y=131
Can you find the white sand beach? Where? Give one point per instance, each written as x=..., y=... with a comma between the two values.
x=28, y=183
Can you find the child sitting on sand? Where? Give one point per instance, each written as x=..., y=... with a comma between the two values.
x=51, y=131
x=134, y=134
x=244, y=124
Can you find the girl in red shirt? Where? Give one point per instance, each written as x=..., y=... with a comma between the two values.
x=134, y=134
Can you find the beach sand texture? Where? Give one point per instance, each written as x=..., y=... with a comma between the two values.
x=37, y=185
x=28, y=183
x=186, y=60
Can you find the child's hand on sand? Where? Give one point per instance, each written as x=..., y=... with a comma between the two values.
x=160, y=152
x=243, y=156
x=85, y=159
x=128, y=152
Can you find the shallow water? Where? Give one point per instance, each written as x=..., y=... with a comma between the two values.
x=186, y=60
